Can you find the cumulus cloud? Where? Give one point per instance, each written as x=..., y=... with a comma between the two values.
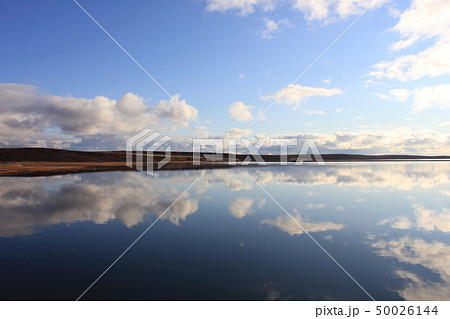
x=261, y=203
x=397, y=222
x=398, y=95
x=286, y=224
x=329, y=10
x=273, y=27
x=30, y=204
x=427, y=97
x=401, y=140
x=432, y=255
x=417, y=288
x=236, y=133
x=31, y=118
x=424, y=98
x=241, y=207
x=239, y=111
x=431, y=62
x=324, y=11
x=396, y=176
x=233, y=182
x=295, y=94
x=423, y=20
x=176, y=109
x=430, y=220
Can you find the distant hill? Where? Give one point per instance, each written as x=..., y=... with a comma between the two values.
x=48, y=161
x=58, y=155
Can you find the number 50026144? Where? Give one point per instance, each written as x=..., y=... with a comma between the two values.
x=403, y=310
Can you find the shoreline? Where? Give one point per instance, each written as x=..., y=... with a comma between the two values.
x=21, y=162
x=35, y=169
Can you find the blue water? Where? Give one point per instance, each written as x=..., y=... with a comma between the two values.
x=386, y=224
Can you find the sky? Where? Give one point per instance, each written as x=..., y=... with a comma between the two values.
x=354, y=75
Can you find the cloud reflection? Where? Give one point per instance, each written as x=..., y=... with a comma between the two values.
x=434, y=256
x=28, y=204
x=286, y=224
x=424, y=219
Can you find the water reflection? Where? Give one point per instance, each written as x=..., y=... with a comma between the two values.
x=29, y=204
x=424, y=219
x=288, y=225
x=391, y=217
x=434, y=256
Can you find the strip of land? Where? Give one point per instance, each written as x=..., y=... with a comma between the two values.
x=46, y=161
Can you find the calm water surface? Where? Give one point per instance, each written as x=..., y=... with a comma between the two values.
x=387, y=224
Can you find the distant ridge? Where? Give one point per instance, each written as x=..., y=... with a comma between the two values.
x=59, y=155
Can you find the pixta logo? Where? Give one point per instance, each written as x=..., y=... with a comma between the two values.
x=142, y=146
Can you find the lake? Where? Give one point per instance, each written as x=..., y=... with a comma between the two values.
x=386, y=224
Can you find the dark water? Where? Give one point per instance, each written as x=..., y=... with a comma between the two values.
x=386, y=224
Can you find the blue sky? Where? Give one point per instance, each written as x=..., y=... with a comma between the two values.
x=62, y=77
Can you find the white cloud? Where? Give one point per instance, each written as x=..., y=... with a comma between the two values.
x=261, y=203
x=236, y=133
x=202, y=131
x=425, y=219
x=432, y=255
x=424, y=19
x=329, y=10
x=431, y=96
x=29, y=205
x=397, y=222
x=398, y=95
x=429, y=220
x=400, y=176
x=241, y=75
x=286, y=224
x=243, y=7
x=327, y=81
x=417, y=288
x=339, y=110
x=382, y=96
x=241, y=207
x=27, y=117
x=175, y=109
x=401, y=140
x=296, y=94
x=239, y=111
x=431, y=62
x=272, y=27
x=324, y=11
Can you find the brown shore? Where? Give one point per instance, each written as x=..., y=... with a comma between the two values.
x=44, y=161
